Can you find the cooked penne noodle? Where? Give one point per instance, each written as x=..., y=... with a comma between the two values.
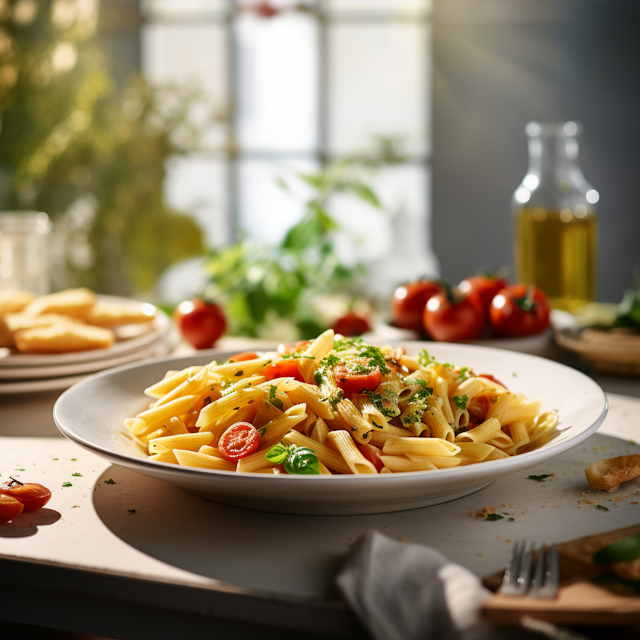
x=351, y=454
x=194, y=459
x=216, y=412
x=439, y=462
x=320, y=431
x=312, y=397
x=360, y=428
x=327, y=456
x=398, y=464
x=189, y=441
x=317, y=350
x=420, y=446
x=434, y=418
x=169, y=383
x=484, y=432
x=277, y=428
x=441, y=390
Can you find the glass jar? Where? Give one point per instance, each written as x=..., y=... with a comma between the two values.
x=555, y=221
x=24, y=251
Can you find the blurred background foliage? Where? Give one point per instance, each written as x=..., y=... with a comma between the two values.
x=90, y=151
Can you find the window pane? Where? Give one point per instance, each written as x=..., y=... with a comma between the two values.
x=196, y=184
x=388, y=6
x=395, y=242
x=379, y=84
x=194, y=57
x=277, y=82
x=267, y=210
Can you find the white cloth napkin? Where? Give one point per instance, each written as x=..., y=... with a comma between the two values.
x=403, y=591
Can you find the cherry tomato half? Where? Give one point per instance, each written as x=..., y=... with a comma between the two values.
x=200, y=323
x=519, y=310
x=244, y=356
x=283, y=369
x=32, y=495
x=293, y=347
x=408, y=303
x=486, y=286
x=488, y=376
x=351, y=380
x=10, y=508
x=373, y=455
x=451, y=318
x=351, y=324
x=238, y=441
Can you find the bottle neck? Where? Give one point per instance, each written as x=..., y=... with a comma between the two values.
x=554, y=158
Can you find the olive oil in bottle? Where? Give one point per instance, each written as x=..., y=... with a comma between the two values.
x=555, y=222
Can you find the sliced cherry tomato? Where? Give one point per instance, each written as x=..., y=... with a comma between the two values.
x=478, y=408
x=200, y=323
x=245, y=355
x=283, y=369
x=10, y=508
x=408, y=303
x=373, y=455
x=486, y=286
x=238, y=441
x=32, y=495
x=519, y=310
x=356, y=376
x=449, y=317
x=351, y=324
x=488, y=376
x=293, y=347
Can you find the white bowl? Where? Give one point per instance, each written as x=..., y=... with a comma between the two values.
x=91, y=414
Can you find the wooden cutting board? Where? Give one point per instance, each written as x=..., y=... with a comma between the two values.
x=580, y=601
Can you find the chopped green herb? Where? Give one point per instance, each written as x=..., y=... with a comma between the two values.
x=262, y=431
x=599, y=506
x=272, y=391
x=494, y=399
x=424, y=358
x=494, y=516
x=463, y=375
x=538, y=478
x=73, y=459
x=514, y=374
x=346, y=343
x=110, y=481
x=131, y=510
x=511, y=519
x=67, y=484
x=460, y=401
x=55, y=458
x=77, y=475
x=19, y=469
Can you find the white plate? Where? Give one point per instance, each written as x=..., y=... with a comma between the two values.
x=64, y=381
x=92, y=412
x=149, y=333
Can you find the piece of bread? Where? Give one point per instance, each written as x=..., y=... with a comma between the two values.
x=12, y=301
x=70, y=302
x=64, y=337
x=606, y=475
x=14, y=322
x=111, y=314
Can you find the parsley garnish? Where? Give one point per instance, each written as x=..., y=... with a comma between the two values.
x=77, y=474
x=346, y=343
x=460, y=401
x=494, y=516
x=67, y=484
x=110, y=481
x=538, y=478
x=463, y=375
x=599, y=506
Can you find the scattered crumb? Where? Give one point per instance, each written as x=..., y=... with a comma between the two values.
x=486, y=511
x=479, y=553
x=497, y=537
x=403, y=539
x=503, y=505
x=508, y=540
x=565, y=474
x=77, y=506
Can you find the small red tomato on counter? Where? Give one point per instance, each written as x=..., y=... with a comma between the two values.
x=486, y=286
x=408, y=303
x=351, y=325
x=200, y=323
x=451, y=317
x=31, y=494
x=519, y=310
x=10, y=508
x=238, y=441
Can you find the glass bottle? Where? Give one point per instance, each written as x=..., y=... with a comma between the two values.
x=555, y=220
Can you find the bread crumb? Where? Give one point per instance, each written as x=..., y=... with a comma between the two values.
x=504, y=505
x=479, y=553
x=486, y=511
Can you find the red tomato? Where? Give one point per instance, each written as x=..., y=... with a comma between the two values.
x=32, y=495
x=10, y=508
x=242, y=357
x=519, y=310
x=200, y=323
x=283, y=369
x=238, y=441
x=291, y=347
x=373, y=455
x=351, y=324
x=351, y=381
x=408, y=303
x=488, y=376
x=486, y=286
x=452, y=318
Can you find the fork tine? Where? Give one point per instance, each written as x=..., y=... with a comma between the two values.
x=524, y=577
x=539, y=576
x=510, y=578
x=552, y=575
x=518, y=572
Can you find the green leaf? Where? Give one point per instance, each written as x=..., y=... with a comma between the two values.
x=302, y=461
x=67, y=484
x=494, y=516
x=538, y=478
x=624, y=550
x=599, y=506
x=460, y=401
x=110, y=481
x=365, y=193
x=278, y=453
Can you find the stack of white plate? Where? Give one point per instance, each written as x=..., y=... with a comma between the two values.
x=29, y=373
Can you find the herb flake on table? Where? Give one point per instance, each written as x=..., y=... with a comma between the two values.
x=599, y=506
x=538, y=478
x=67, y=484
x=110, y=481
x=494, y=516
x=79, y=475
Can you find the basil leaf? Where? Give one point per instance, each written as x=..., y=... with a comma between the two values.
x=302, y=461
x=277, y=454
x=624, y=550
x=494, y=516
x=538, y=478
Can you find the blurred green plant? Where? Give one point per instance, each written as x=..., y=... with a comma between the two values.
x=268, y=290
x=90, y=154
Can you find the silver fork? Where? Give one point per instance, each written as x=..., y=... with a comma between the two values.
x=519, y=579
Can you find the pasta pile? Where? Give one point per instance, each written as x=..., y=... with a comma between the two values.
x=361, y=409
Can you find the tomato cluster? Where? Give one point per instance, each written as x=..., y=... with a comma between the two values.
x=16, y=497
x=459, y=314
